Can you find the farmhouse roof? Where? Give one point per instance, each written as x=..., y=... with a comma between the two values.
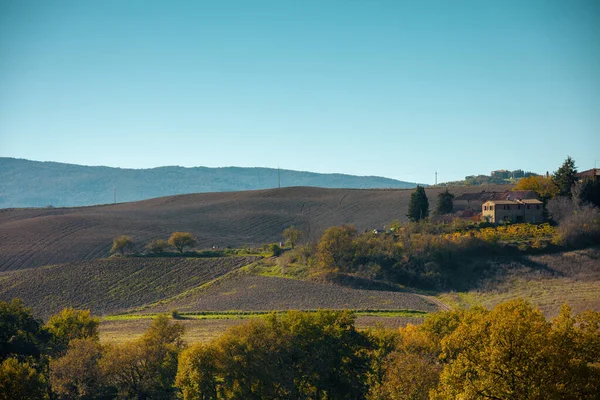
x=506, y=195
x=501, y=202
x=530, y=201
x=589, y=173
x=517, y=201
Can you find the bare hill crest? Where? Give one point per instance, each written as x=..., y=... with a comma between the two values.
x=37, y=237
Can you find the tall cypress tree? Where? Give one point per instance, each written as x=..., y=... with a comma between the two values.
x=445, y=205
x=418, y=208
x=565, y=177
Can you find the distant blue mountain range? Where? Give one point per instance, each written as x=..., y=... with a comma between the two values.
x=25, y=183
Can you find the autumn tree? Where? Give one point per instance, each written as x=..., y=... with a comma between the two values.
x=72, y=324
x=544, y=187
x=181, y=240
x=295, y=355
x=19, y=380
x=418, y=207
x=445, y=204
x=336, y=249
x=146, y=368
x=157, y=246
x=122, y=244
x=77, y=374
x=566, y=177
x=513, y=352
x=292, y=235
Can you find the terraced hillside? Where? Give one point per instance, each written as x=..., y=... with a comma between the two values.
x=244, y=291
x=111, y=285
x=38, y=237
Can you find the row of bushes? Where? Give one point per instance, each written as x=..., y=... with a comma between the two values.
x=178, y=240
x=511, y=351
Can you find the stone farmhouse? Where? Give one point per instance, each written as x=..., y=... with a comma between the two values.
x=518, y=210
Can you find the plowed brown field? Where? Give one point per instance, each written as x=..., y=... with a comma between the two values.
x=111, y=285
x=246, y=292
x=37, y=237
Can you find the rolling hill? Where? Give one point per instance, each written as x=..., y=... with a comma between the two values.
x=25, y=183
x=38, y=237
x=112, y=285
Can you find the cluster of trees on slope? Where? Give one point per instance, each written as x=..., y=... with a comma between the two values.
x=178, y=240
x=510, y=352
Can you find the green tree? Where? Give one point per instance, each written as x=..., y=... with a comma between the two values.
x=566, y=177
x=21, y=335
x=72, y=324
x=336, y=248
x=292, y=235
x=157, y=246
x=181, y=240
x=445, y=204
x=418, y=208
x=21, y=381
x=122, y=244
x=295, y=355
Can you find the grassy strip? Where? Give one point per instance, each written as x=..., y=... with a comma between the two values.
x=254, y=314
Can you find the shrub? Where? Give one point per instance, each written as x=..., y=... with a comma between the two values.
x=157, y=246
x=581, y=228
x=275, y=250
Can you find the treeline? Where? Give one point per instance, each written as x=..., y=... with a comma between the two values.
x=510, y=352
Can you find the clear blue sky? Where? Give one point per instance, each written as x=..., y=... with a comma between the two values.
x=367, y=87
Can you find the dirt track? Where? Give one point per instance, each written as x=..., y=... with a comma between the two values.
x=37, y=237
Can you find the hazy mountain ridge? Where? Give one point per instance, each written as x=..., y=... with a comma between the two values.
x=25, y=183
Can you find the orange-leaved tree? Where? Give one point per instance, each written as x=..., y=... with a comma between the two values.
x=181, y=240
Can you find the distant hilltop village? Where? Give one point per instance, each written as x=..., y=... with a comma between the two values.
x=498, y=177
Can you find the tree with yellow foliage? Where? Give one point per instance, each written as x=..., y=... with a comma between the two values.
x=546, y=188
x=513, y=352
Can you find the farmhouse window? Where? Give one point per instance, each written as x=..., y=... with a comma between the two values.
x=537, y=206
x=528, y=206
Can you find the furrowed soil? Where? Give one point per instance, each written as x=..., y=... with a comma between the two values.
x=111, y=285
x=244, y=291
x=38, y=237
